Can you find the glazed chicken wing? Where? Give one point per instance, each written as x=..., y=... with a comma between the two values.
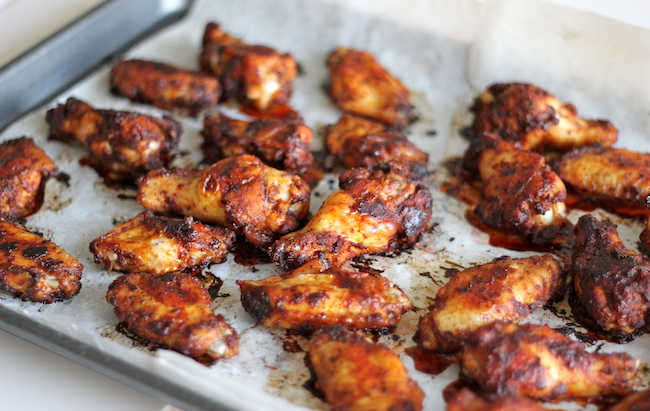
x=612, y=282
x=505, y=289
x=373, y=212
x=466, y=400
x=256, y=76
x=122, y=145
x=359, y=142
x=24, y=170
x=281, y=143
x=165, y=86
x=534, y=361
x=34, y=268
x=241, y=193
x=157, y=245
x=359, y=84
x=355, y=374
x=173, y=311
x=536, y=120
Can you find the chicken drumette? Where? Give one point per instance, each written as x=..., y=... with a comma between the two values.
x=536, y=120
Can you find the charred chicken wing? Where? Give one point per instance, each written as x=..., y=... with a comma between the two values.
x=255, y=76
x=466, y=400
x=157, y=245
x=534, y=361
x=122, y=145
x=241, y=193
x=536, y=120
x=355, y=374
x=24, y=170
x=34, y=268
x=174, y=311
x=373, y=212
x=505, y=289
x=359, y=84
x=165, y=86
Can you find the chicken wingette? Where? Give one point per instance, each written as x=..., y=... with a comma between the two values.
x=122, y=145
x=157, y=244
x=506, y=289
x=34, y=268
x=356, y=374
x=241, y=193
x=174, y=311
x=536, y=120
x=372, y=212
x=466, y=400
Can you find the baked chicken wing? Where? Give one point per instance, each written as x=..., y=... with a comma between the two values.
x=506, y=289
x=174, y=311
x=358, y=142
x=305, y=299
x=165, y=86
x=536, y=120
x=255, y=76
x=156, y=244
x=24, y=170
x=373, y=212
x=356, y=374
x=34, y=268
x=359, y=84
x=466, y=400
x=241, y=193
x=612, y=282
x=281, y=143
x=122, y=145
x=534, y=361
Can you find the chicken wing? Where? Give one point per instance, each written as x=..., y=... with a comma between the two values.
x=174, y=311
x=281, y=143
x=359, y=142
x=165, y=86
x=122, y=145
x=534, y=361
x=612, y=176
x=466, y=400
x=520, y=193
x=24, y=170
x=373, y=212
x=156, y=245
x=355, y=374
x=305, y=299
x=359, y=84
x=536, y=120
x=612, y=282
x=34, y=268
x=637, y=401
x=255, y=76
x=241, y=193
x=505, y=289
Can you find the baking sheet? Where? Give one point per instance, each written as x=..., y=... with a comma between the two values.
x=445, y=53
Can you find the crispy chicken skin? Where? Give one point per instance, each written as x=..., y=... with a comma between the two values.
x=638, y=401
x=355, y=374
x=305, y=299
x=157, y=244
x=165, y=86
x=122, y=145
x=359, y=142
x=373, y=212
x=173, y=310
x=24, y=170
x=612, y=282
x=241, y=193
x=359, y=84
x=614, y=176
x=255, y=76
x=466, y=400
x=520, y=193
x=34, y=268
x=536, y=120
x=506, y=289
x=280, y=143
x=534, y=361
